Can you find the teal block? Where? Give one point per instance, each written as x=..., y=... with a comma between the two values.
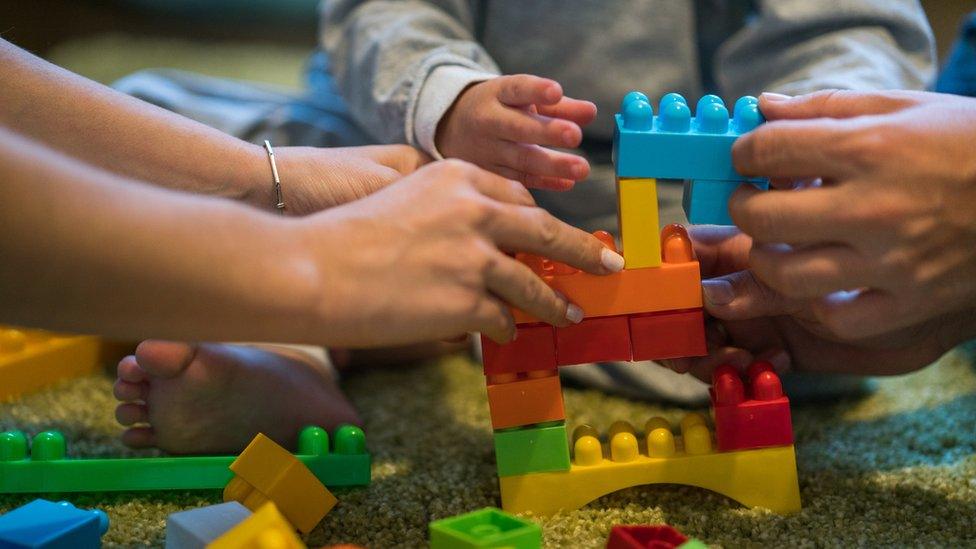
x=706, y=202
x=535, y=449
x=488, y=527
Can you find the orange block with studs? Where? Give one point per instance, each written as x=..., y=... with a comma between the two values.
x=676, y=284
x=524, y=399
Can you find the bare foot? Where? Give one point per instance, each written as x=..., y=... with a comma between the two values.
x=214, y=397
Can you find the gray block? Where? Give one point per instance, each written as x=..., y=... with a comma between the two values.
x=195, y=528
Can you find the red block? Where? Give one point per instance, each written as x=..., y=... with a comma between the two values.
x=594, y=340
x=534, y=349
x=645, y=537
x=658, y=336
x=753, y=416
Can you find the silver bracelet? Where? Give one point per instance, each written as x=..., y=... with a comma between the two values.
x=279, y=201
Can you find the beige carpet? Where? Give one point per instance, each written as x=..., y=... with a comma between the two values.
x=896, y=468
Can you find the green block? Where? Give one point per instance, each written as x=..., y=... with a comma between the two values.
x=48, y=470
x=693, y=543
x=543, y=447
x=488, y=527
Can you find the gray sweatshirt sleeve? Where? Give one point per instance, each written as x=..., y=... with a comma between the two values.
x=401, y=64
x=799, y=46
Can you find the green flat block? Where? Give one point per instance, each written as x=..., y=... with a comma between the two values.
x=48, y=470
x=693, y=543
x=544, y=447
x=488, y=527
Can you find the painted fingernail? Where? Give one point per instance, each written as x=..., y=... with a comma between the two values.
x=780, y=360
x=770, y=96
x=574, y=314
x=611, y=260
x=718, y=292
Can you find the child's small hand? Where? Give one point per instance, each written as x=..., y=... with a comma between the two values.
x=503, y=124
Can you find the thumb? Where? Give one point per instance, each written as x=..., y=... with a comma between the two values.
x=834, y=104
x=742, y=296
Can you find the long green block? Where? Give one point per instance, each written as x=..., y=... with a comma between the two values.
x=542, y=447
x=488, y=527
x=48, y=470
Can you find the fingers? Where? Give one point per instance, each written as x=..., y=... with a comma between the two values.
x=575, y=110
x=861, y=314
x=492, y=185
x=521, y=90
x=521, y=126
x=516, y=284
x=835, y=104
x=720, y=250
x=811, y=272
x=533, y=181
x=539, y=161
x=798, y=149
x=793, y=217
x=742, y=296
x=536, y=231
x=494, y=320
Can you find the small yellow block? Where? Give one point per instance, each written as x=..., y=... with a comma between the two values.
x=639, y=231
x=33, y=359
x=267, y=472
x=265, y=529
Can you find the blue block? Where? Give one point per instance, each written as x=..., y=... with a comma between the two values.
x=44, y=524
x=706, y=202
x=197, y=528
x=673, y=144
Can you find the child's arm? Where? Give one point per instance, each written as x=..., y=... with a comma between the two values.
x=413, y=72
x=798, y=46
x=130, y=137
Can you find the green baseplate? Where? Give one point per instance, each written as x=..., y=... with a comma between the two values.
x=47, y=469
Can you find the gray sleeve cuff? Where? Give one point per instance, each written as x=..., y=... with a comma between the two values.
x=439, y=91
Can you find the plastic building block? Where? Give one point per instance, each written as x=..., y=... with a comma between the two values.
x=706, y=202
x=488, y=527
x=756, y=478
x=267, y=472
x=661, y=536
x=533, y=449
x=44, y=524
x=195, y=528
x=534, y=349
x=637, y=211
x=33, y=359
x=594, y=340
x=658, y=336
x=265, y=529
x=47, y=470
x=524, y=400
x=753, y=416
x=673, y=145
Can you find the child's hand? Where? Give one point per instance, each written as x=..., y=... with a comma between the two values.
x=502, y=125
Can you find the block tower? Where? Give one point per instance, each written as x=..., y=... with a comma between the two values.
x=651, y=310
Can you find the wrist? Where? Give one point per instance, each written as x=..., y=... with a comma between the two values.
x=253, y=182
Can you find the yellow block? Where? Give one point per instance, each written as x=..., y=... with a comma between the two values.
x=763, y=477
x=33, y=359
x=639, y=231
x=267, y=472
x=265, y=529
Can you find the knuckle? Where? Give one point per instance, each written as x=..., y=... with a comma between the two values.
x=522, y=159
x=863, y=147
x=548, y=227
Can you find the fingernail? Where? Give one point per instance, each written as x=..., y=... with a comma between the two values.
x=611, y=260
x=574, y=314
x=770, y=96
x=578, y=172
x=718, y=292
x=780, y=360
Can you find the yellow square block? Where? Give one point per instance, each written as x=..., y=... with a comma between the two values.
x=639, y=231
x=33, y=359
x=265, y=529
x=267, y=472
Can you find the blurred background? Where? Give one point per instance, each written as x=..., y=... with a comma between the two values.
x=260, y=40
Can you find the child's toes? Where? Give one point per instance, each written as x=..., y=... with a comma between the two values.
x=139, y=437
x=130, y=413
x=164, y=359
x=126, y=391
x=129, y=370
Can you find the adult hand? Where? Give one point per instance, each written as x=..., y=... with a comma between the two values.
x=885, y=236
x=753, y=321
x=428, y=258
x=503, y=125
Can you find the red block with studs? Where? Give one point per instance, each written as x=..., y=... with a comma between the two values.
x=594, y=340
x=754, y=413
x=657, y=336
x=533, y=349
x=645, y=537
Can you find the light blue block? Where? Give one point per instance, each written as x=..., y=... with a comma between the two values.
x=197, y=528
x=706, y=202
x=675, y=145
x=43, y=524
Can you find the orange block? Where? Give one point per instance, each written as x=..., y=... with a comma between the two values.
x=527, y=400
x=676, y=284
